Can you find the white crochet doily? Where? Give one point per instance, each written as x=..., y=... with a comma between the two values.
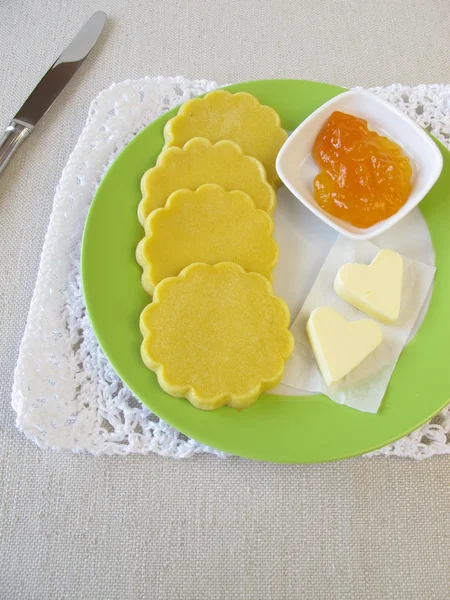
x=65, y=393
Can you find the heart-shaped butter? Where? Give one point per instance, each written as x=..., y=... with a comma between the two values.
x=339, y=345
x=374, y=289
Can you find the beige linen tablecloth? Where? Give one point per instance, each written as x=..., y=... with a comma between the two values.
x=79, y=527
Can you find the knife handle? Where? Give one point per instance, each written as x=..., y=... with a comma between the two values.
x=14, y=136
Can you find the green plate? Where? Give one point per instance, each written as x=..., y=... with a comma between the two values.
x=276, y=428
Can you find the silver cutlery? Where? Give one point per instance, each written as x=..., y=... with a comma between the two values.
x=50, y=86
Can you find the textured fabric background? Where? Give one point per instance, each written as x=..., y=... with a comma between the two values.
x=76, y=527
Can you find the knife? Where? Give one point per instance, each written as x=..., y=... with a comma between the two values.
x=50, y=86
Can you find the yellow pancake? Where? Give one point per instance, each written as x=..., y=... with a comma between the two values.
x=216, y=335
x=239, y=117
x=200, y=162
x=209, y=225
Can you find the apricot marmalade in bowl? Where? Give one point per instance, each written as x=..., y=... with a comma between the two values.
x=365, y=178
x=359, y=164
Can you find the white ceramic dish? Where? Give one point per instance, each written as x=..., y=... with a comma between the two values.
x=297, y=168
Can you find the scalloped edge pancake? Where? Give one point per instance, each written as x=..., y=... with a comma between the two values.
x=241, y=172
x=209, y=225
x=229, y=285
x=240, y=117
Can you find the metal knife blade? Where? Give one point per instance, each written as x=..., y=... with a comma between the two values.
x=50, y=86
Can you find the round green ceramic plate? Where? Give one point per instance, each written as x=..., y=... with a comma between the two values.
x=276, y=428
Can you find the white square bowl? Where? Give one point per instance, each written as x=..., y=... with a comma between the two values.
x=297, y=168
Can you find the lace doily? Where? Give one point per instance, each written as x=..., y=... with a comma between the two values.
x=65, y=393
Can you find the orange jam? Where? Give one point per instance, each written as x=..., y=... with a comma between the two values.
x=364, y=177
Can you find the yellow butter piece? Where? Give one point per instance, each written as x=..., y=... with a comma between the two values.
x=216, y=335
x=338, y=345
x=374, y=289
x=209, y=225
x=239, y=117
x=200, y=162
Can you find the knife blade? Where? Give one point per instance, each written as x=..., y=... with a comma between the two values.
x=50, y=86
